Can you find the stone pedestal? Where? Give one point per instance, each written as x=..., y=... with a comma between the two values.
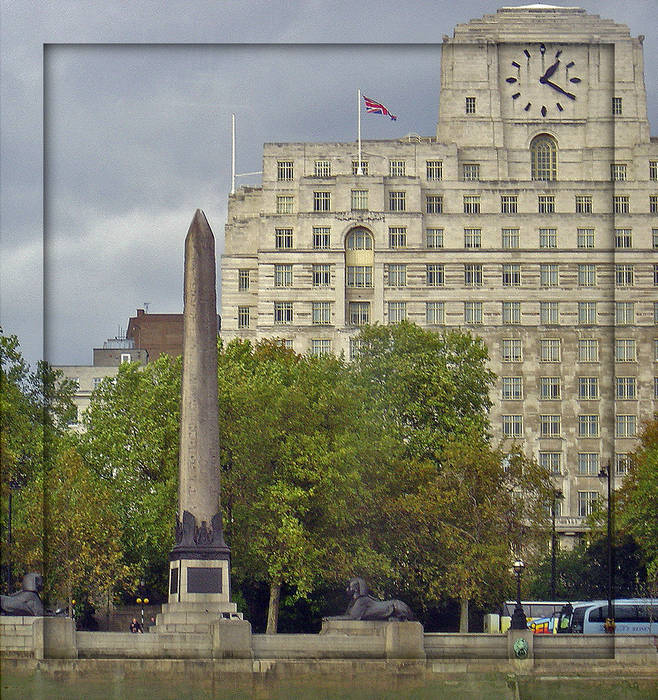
x=402, y=640
x=54, y=638
x=231, y=639
x=520, y=650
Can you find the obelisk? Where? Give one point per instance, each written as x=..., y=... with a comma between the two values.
x=200, y=559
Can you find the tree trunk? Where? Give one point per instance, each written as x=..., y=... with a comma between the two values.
x=273, y=608
x=463, y=615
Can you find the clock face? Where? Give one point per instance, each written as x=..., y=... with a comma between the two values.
x=542, y=81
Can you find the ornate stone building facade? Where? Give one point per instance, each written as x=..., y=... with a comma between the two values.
x=531, y=219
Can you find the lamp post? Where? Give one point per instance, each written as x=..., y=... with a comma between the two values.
x=606, y=473
x=557, y=496
x=518, y=621
x=142, y=601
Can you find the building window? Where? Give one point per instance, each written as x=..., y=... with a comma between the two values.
x=511, y=350
x=616, y=106
x=546, y=203
x=322, y=168
x=654, y=238
x=624, y=275
x=321, y=237
x=282, y=312
x=243, y=280
x=587, y=275
x=511, y=275
x=359, y=276
x=321, y=201
x=284, y=170
x=551, y=461
x=283, y=275
x=434, y=204
x=397, y=275
x=472, y=238
x=284, y=204
x=655, y=313
x=549, y=388
x=586, y=501
x=588, y=463
x=622, y=462
x=356, y=345
x=434, y=169
x=97, y=381
x=510, y=238
x=549, y=426
x=543, y=158
x=397, y=237
x=548, y=238
x=471, y=171
x=473, y=312
x=434, y=275
x=359, y=313
x=470, y=105
x=320, y=347
x=588, y=425
x=588, y=350
x=624, y=313
x=587, y=313
x=321, y=313
x=125, y=357
x=625, y=350
x=653, y=204
x=653, y=170
x=355, y=167
x=434, y=313
x=397, y=311
x=511, y=312
x=588, y=388
x=397, y=201
x=512, y=426
x=434, y=237
x=623, y=238
x=583, y=204
x=655, y=388
x=655, y=275
x=625, y=426
x=396, y=168
x=585, y=237
x=471, y=204
x=548, y=274
x=512, y=388
x=549, y=313
x=282, y=238
x=549, y=350
x=621, y=204
x=321, y=275
x=243, y=317
x=508, y=204
x=625, y=388
x=358, y=239
x=359, y=200
x=473, y=275
x=618, y=171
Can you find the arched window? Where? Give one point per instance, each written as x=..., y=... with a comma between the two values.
x=358, y=239
x=359, y=258
x=543, y=157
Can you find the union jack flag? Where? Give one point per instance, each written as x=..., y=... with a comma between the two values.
x=373, y=107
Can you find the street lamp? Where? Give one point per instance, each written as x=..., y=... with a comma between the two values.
x=606, y=473
x=518, y=621
x=142, y=602
x=557, y=496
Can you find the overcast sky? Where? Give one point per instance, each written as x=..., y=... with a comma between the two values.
x=119, y=129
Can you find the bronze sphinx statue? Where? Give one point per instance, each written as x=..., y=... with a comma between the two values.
x=363, y=606
x=25, y=602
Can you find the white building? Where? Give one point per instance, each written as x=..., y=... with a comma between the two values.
x=531, y=219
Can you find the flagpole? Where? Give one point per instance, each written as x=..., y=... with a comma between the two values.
x=232, y=153
x=359, y=171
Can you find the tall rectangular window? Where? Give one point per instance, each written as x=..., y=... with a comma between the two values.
x=587, y=275
x=397, y=311
x=320, y=347
x=549, y=274
x=549, y=426
x=282, y=238
x=625, y=426
x=282, y=312
x=511, y=350
x=511, y=275
x=471, y=171
x=617, y=171
x=473, y=275
x=321, y=313
x=359, y=313
x=471, y=204
x=321, y=237
x=587, y=313
x=623, y=238
x=321, y=275
x=511, y=312
x=548, y=238
x=655, y=275
x=284, y=170
x=546, y=203
x=622, y=462
x=616, y=106
x=470, y=105
x=654, y=238
x=355, y=167
x=435, y=313
x=434, y=169
x=621, y=204
x=284, y=204
x=359, y=276
x=396, y=168
x=624, y=313
x=588, y=463
x=549, y=313
x=472, y=238
x=653, y=204
x=283, y=275
x=356, y=345
x=588, y=425
x=585, y=237
x=510, y=238
x=653, y=170
x=359, y=200
x=509, y=204
x=473, y=312
x=243, y=280
x=549, y=388
x=583, y=204
x=434, y=204
x=434, y=275
x=321, y=201
x=588, y=388
x=624, y=275
x=586, y=501
x=625, y=388
x=551, y=461
x=243, y=317
x=512, y=388
x=625, y=350
x=588, y=350
x=397, y=201
x=549, y=350
x=397, y=237
x=512, y=426
x=434, y=237
x=397, y=275
x=322, y=168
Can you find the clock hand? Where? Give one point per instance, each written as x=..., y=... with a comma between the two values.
x=570, y=95
x=549, y=71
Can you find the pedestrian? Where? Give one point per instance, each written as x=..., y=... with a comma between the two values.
x=136, y=627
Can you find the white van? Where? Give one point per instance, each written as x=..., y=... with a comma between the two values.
x=631, y=615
